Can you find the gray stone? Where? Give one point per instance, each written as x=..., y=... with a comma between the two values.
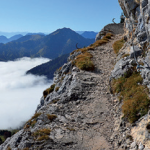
x=136, y=50
x=144, y=2
x=75, y=54
x=141, y=146
x=66, y=67
x=121, y=67
x=133, y=145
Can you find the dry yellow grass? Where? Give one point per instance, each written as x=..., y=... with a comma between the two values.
x=51, y=117
x=135, y=96
x=104, y=40
x=42, y=134
x=83, y=62
x=56, y=89
x=32, y=121
x=49, y=90
x=118, y=45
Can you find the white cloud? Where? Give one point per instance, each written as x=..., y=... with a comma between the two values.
x=19, y=93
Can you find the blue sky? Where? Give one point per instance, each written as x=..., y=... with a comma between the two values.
x=49, y=15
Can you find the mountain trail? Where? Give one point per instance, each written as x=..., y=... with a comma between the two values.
x=102, y=109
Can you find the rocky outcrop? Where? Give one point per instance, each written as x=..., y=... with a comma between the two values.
x=113, y=28
x=137, y=47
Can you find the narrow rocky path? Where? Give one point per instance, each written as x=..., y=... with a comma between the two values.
x=102, y=108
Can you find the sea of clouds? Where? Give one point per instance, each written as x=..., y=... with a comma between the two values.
x=20, y=93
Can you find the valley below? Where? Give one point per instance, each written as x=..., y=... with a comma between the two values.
x=19, y=92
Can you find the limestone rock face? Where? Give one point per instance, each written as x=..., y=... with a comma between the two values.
x=137, y=34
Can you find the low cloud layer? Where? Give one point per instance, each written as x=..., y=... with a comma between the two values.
x=19, y=93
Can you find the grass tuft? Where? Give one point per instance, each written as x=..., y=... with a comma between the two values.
x=104, y=40
x=54, y=101
x=42, y=134
x=125, y=55
x=51, y=117
x=32, y=121
x=56, y=89
x=118, y=45
x=135, y=96
x=83, y=62
x=49, y=90
x=8, y=148
x=70, y=129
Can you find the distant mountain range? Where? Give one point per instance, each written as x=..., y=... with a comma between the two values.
x=60, y=42
x=4, y=39
x=48, y=69
x=89, y=34
x=10, y=34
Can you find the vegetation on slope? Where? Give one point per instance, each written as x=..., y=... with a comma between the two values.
x=135, y=96
x=32, y=121
x=41, y=134
x=4, y=134
x=60, y=42
x=118, y=45
x=49, y=90
x=83, y=61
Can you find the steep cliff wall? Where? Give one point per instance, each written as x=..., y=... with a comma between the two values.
x=137, y=51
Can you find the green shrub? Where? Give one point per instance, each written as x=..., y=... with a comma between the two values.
x=135, y=96
x=2, y=139
x=118, y=45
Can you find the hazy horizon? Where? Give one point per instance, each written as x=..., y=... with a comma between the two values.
x=10, y=34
